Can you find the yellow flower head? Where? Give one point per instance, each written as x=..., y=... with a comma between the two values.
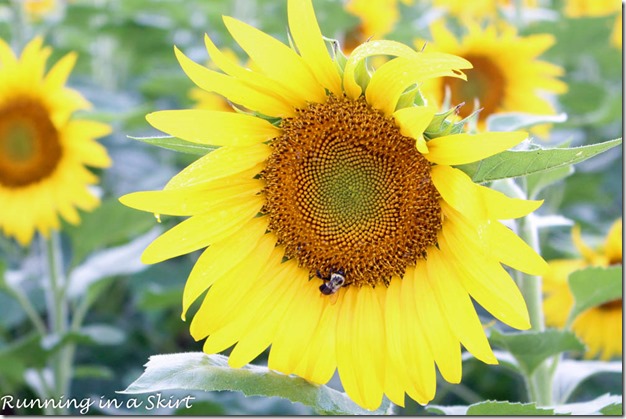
x=506, y=76
x=38, y=8
x=336, y=233
x=378, y=17
x=43, y=151
x=600, y=328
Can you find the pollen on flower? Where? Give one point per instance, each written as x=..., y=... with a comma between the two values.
x=345, y=190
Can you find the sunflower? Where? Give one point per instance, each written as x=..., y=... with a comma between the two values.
x=336, y=233
x=43, y=150
x=378, y=18
x=37, y=9
x=507, y=75
x=600, y=328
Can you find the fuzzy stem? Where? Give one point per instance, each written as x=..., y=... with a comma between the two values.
x=540, y=383
x=58, y=316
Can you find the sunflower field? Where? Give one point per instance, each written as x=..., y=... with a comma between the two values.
x=298, y=207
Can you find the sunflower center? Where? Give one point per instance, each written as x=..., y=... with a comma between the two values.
x=29, y=144
x=347, y=192
x=485, y=82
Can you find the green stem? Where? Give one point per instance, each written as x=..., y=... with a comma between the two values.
x=58, y=317
x=28, y=308
x=540, y=383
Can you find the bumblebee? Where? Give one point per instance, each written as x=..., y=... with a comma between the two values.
x=331, y=284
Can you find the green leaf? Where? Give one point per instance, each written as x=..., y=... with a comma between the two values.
x=571, y=373
x=176, y=144
x=490, y=408
x=530, y=349
x=613, y=410
x=537, y=182
x=21, y=354
x=510, y=164
x=198, y=371
x=606, y=402
x=514, y=121
x=594, y=286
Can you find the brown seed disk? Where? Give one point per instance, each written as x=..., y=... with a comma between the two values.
x=29, y=143
x=485, y=81
x=345, y=190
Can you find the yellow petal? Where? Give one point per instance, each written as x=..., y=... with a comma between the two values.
x=319, y=362
x=214, y=127
x=399, y=361
x=483, y=277
x=297, y=327
x=308, y=39
x=413, y=121
x=501, y=207
x=588, y=253
x=466, y=148
x=220, y=258
x=368, y=334
x=613, y=244
x=225, y=295
x=192, y=201
x=276, y=60
x=455, y=304
x=443, y=344
x=421, y=366
x=223, y=162
x=246, y=317
x=58, y=74
x=254, y=79
x=233, y=89
x=458, y=190
x=346, y=344
x=270, y=315
x=511, y=250
x=7, y=57
x=369, y=49
x=202, y=230
x=394, y=77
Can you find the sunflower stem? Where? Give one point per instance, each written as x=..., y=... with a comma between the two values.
x=540, y=382
x=58, y=317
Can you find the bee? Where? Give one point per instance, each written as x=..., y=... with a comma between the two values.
x=332, y=284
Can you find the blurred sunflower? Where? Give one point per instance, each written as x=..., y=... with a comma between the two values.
x=37, y=9
x=507, y=75
x=586, y=8
x=377, y=17
x=43, y=151
x=337, y=234
x=600, y=328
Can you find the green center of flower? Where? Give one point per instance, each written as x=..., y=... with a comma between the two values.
x=29, y=144
x=346, y=191
x=485, y=82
